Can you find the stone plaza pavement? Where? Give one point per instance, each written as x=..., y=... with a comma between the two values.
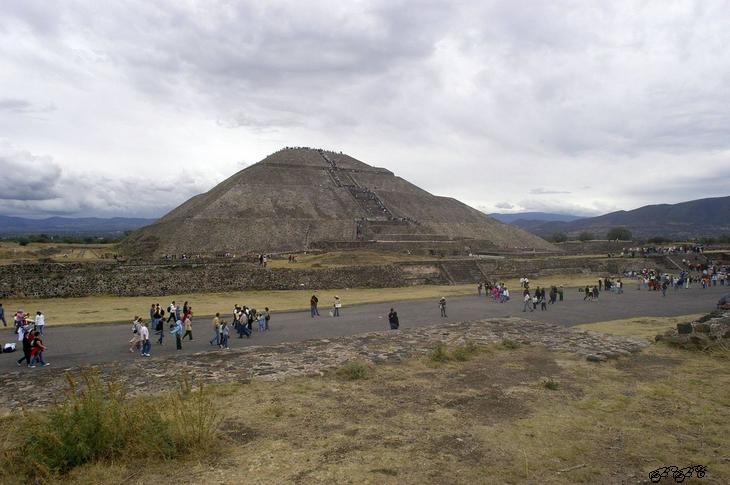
x=300, y=345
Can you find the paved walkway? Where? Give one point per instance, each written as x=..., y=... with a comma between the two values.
x=102, y=343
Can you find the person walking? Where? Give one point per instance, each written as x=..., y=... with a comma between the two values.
x=527, y=301
x=2, y=315
x=144, y=334
x=261, y=320
x=171, y=312
x=267, y=317
x=36, y=350
x=24, y=334
x=188, y=328
x=479, y=289
x=177, y=330
x=224, y=333
x=136, y=341
x=337, y=305
x=313, y=305
x=393, y=319
x=442, y=306
x=40, y=321
x=216, y=340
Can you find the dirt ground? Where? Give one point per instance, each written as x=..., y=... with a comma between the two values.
x=503, y=415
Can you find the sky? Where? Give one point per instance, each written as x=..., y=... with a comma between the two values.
x=129, y=108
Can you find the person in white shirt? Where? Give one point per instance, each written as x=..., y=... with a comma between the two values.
x=40, y=321
x=144, y=333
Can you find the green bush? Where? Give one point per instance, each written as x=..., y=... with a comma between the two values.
x=99, y=423
x=439, y=354
x=551, y=384
x=354, y=370
x=464, y=352
x=558, y=237
x=619, y=234
x=508, y=344
x=586, y=236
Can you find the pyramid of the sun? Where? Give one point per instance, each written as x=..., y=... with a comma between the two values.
x=302, y=198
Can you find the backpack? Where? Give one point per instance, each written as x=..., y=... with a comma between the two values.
x=134, y=328
x=9, y=347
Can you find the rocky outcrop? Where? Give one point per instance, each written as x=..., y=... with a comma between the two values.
x=712, y=330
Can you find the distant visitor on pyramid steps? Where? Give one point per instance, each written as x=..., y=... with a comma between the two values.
x=302, y=198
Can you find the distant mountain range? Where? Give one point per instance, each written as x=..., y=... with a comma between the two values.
x=696, y=218
x=531, y=221
x=20, y=226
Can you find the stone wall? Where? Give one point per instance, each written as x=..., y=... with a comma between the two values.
x=61, y=280
x=53, y=280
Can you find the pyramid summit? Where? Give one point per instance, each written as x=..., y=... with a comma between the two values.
x=304, y=198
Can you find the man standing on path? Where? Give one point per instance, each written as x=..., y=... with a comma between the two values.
x=40, y=321
x=216, y=340
x=528, y=301
x=393, y=319
x=313, y=305
x=442, y=306
x=2, y=315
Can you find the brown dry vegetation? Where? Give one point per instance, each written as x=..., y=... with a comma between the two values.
x=501, y=415
x=12, y=252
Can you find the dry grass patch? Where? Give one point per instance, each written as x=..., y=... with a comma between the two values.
x=639, y=326
x=494, y=418
x=12, y=252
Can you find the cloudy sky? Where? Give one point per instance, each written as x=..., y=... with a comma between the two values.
x=129, y=108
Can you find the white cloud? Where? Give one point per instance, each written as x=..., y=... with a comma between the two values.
x=484, y=101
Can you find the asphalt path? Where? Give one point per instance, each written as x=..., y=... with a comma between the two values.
x=74, y=345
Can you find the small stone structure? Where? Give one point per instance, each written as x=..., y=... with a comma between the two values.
x=709, y=331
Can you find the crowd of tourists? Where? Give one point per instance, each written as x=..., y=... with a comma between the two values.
x=29, y=332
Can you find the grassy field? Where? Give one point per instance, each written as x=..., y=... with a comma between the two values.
x=12, y=252
x=93, y=309
x=501, y=414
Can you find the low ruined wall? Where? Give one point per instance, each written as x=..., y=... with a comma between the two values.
x=54, y=280
x=51, y=280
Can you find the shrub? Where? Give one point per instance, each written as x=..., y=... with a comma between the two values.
x=99, y=423
x=586, y=236
x=354, y=370
x=508, y=344
x=618, y=234
x=551, y=384
x=464, y=352
x=558, y=237
x=438, y=354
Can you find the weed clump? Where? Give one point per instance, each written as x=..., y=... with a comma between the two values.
x=439, y=354
x=550, y=384
x=508, y=344
x=354, y=370
x=464, y=352
x=98, y=423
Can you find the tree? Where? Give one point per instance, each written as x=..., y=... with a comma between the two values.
x=558, y=237
x=619, y=234
x=586, y=236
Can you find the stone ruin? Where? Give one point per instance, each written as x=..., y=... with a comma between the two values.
x=710, y=331
x=302, y=198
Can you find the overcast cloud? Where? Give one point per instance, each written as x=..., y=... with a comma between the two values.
x=129, y=108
